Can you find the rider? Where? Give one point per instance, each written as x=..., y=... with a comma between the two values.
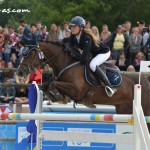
x=86, y=44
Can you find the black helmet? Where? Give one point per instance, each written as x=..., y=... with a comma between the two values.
x=79, y=21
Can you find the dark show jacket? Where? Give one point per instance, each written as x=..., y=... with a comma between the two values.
x=87, y=46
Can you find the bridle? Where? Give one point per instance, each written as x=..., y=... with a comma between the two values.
x=41, y=57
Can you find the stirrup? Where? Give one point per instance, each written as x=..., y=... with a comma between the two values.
x=109, y=91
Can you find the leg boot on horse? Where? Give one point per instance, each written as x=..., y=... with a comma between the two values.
x=110, y=90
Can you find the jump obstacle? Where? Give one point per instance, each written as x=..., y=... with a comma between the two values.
x=55, y=107
x=140, y=135
x=72, y=117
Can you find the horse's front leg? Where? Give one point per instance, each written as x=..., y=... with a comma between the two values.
x=53, y=95
x=65, y=88
x=49, y=94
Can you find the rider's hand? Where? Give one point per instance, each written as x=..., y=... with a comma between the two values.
x=67, y=49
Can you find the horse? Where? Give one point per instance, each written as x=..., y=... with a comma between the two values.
x=71, y=81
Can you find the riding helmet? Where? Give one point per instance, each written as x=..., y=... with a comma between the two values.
x=79, y=21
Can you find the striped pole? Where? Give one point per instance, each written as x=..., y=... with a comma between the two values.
x=71, y=117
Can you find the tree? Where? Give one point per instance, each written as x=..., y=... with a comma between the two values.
x=97, y=11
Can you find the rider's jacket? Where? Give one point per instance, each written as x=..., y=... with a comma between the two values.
x=86, y=47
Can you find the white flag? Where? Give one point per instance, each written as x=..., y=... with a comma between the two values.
x=145, y=66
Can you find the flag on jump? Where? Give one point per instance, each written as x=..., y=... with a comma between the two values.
x=31, y=126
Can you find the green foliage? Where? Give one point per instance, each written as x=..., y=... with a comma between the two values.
x=111, y=12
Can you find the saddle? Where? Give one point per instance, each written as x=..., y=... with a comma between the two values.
x=112, y=72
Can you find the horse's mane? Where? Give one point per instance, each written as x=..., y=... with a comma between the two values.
x=55, y=42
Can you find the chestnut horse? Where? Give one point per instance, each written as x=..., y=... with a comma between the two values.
x=71, y=81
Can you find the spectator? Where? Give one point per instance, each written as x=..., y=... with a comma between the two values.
x=126, y=31
x=14, y=39
x=66, y=28
x=34, y=33
x=44, y=35
x=20, y=32
x=21, y=96
x=111, y=58
x=47, y=75
x=59, y=32
x=128, y=27
x=1, y=30
x=7, y=94
x=142, y=31
x=141, y=26
x=122, y=63
x=95, y=31
x=36, y=75
x=135, y=44
x=26, y=27
x=117, y=42
x=5, y=31
x=105, y=34
x=39, y=27
x=88, y=25
x=20, y=49
x=146, y=43
x=10, y=73
x=67, y=38
x=27, y=78
x=131, y=68
x=1, y=43
x=31, y=37
x=1, y=74
x=53, y=36
x=14, y=60
x=7, y=48
x=2, y=62
x=139, y=57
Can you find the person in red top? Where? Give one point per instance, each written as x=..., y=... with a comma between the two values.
x=36, y=76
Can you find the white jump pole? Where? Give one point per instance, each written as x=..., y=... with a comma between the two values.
x=86, y=137
x=38, y=122
x=141, y=133
x=68, y=117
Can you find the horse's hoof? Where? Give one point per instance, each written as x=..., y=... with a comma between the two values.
x=62, y=102
x=49, y=103
x=89, y=105
x=92, y=106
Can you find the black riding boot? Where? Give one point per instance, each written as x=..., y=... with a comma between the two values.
x=110, y=90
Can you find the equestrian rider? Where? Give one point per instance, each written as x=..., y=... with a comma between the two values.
x=87, y=44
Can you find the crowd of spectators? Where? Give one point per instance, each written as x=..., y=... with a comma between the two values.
x=129, y=45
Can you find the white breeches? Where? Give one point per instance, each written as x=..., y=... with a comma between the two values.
x=98, y=60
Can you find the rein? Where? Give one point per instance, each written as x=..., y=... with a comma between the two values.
x=41, y=57
x=66, y=67
x=51, y=58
